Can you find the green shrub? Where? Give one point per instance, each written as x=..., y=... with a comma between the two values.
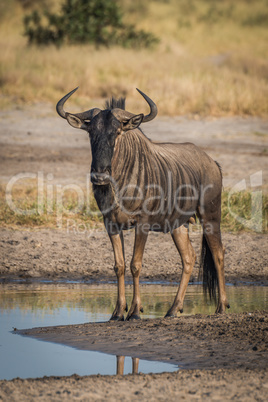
x=85, y=21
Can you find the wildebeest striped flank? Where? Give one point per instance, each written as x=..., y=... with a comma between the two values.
x=152, y=187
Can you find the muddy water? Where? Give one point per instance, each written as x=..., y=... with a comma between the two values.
x=41, y=304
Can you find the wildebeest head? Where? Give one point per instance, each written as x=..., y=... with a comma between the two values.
x=103, y=127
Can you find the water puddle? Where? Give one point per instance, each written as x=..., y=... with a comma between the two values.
x=41, y=304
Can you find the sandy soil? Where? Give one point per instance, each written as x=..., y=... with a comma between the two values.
x=190, y=385
x=56, y=254
x=228, y=352
x=35, y=139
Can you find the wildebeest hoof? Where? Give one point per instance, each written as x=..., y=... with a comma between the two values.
x=134, y=317
x=117, y=318
x=170, y=315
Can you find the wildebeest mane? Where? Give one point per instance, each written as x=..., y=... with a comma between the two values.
x=114, y=103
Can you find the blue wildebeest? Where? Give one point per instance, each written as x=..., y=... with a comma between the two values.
x=152, y=187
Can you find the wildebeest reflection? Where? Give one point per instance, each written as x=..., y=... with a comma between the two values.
x=120, y=364
x=153, y=187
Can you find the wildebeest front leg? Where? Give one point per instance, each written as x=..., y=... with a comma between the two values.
x=181, y=239
x=119, y=267
x=140, y=240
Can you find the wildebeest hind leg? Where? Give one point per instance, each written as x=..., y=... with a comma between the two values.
x=141, y=235
x=181, y=239
x=117, y=241
x=212, y=241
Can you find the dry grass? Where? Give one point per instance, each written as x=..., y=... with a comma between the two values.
x=211, y=61
x=241, y=204
x=30, y=211
x=52, y=214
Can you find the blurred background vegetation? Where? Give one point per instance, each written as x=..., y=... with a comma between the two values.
x=85, y=21
x=202, y=57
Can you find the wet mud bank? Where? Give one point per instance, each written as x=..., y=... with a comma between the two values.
x=230, y=351
x=191, y=342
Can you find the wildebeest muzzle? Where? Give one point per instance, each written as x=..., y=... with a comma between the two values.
x=100, y=179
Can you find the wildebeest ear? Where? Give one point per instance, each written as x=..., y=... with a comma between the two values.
x=75, y=122
x=132, y=123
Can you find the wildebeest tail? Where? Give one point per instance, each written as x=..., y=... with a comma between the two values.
x=208, y=272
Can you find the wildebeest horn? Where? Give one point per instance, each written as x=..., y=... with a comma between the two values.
x=88, y=115
x=125, y=115
x=153, y=111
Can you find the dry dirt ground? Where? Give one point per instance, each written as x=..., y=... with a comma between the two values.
x=56, y=254
x=230, y=352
